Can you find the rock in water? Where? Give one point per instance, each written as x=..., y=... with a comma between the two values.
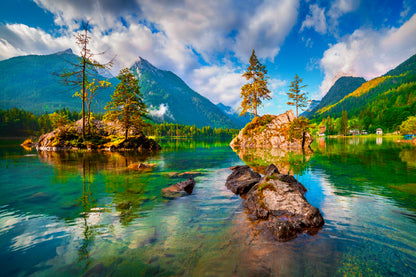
x=281, y=208
x=242, y=179
x=177, y=190
x=276, y=202
x=270, y=131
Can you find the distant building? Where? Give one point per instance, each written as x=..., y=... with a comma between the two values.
x=322, y=131
x=354, y=132
x=379, y=131
x=364, y=132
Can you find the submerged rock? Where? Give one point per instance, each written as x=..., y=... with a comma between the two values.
x=242, y=179
x=276, y=202
x=270, y=131
x=177, y=190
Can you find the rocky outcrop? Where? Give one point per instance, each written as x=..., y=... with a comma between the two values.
x=68, y=137
x=278, y=206
x=179, y=189
x=271, y=131
x=242, y=179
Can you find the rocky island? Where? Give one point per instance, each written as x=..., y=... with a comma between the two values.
x=275, y=202
x=106, y=136
x=283, y=131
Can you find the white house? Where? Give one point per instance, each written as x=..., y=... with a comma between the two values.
x=379, y=131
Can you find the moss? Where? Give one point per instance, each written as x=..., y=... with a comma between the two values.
x=258, y=124
x=264, y=186
x=272, y=177
x=260, y=190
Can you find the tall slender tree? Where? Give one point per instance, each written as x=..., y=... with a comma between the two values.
x=87, y=66
x=126, y=105
x=296, y=98
x=254, y=92
x=344, y=123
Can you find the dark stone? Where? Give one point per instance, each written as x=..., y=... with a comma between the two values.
x=177, y=190
x=242, y=179
x=272, y=169
x=281, y=208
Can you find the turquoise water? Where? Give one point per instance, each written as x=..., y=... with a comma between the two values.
x=66, y=214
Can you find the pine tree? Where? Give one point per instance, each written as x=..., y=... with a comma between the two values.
x=126, y=105
x=296, y=98
x=254, y=92
x=85, y=67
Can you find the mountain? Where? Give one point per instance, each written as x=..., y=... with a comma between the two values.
x=241, y=121
x=383, y=102
x=312, y=105
x=169, y=99
x=32, y=83
x=342, y=87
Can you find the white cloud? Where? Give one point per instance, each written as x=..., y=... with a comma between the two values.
x=315, y=20
x=266, y=29
x=20, y=39
x=341, y=7
x=172, y=35
x=219, y=83
x=368, y=53
x=162, y=112
x=338, y=9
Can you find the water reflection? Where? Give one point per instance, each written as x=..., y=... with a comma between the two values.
x=287, y=161
x=85, y=214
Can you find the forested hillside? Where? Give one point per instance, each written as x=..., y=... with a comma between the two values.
x=382, y=102
x=33, y=83
x=170, y=100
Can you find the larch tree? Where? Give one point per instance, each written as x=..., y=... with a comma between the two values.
x=86, y=67
x=256, y=90
x=296, y=98
x=127, y=105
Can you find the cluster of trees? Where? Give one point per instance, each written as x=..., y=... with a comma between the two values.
x=17, y=122
x=178, y=130
x=256, y=91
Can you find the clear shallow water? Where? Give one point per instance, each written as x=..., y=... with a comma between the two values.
x=84, y=214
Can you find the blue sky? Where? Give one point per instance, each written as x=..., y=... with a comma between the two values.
x=208, y=43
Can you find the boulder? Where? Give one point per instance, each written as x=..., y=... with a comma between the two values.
x=281, y=209
x=270, y=131
x=177, y=190
x=242, y=179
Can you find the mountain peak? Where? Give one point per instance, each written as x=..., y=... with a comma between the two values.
x=142, y=63
x=67, y=51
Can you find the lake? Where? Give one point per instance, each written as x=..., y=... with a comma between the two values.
x=66, y=214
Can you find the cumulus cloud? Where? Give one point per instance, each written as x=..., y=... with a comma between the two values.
x=162, y=112
x=219, y=83
x=315, y=20
x=175, y=35
x=266, y=29
x=20, y=39
x=368, y=53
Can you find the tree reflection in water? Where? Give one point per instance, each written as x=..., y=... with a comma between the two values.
x=126, y=189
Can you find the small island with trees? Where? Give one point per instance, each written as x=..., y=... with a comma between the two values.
x=123, y=122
